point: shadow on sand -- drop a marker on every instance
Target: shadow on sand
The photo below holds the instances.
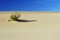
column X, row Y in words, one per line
column 19, row 20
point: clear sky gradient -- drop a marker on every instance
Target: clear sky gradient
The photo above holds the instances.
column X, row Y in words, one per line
column 30, row 5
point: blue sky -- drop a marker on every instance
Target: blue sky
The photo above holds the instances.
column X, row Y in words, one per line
column 30, row 5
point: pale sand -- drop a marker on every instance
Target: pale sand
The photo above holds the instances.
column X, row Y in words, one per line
column 47, row 26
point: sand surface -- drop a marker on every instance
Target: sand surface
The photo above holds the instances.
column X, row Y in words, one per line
column 47, row 26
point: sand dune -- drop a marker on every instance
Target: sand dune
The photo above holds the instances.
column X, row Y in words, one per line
column 47, row 26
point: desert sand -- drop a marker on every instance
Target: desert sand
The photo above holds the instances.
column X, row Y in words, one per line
column 47, row 26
